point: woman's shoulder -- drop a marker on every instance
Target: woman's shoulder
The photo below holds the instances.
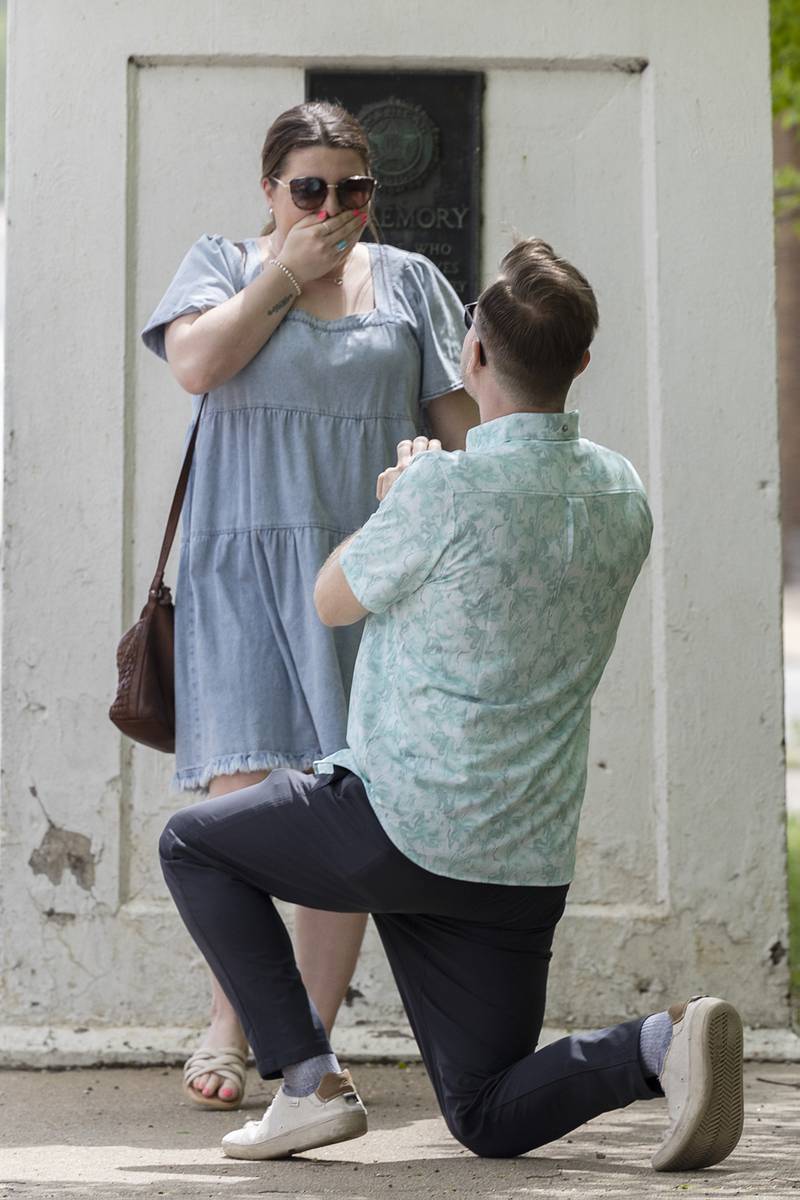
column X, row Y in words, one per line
column 210, row 243
column 402, row 261
column 217, row 241
column 411, row 274
column 216, row 257
column 217, row 247
column 420, row 286
column 210, row 273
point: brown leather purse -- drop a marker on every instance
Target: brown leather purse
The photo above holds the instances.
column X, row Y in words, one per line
column 144, row 706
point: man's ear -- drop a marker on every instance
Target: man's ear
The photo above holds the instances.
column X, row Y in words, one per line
column 587, row 358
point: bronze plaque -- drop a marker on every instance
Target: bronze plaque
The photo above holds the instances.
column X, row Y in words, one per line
column 424, row 129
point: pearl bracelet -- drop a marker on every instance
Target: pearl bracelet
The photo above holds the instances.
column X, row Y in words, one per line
column 276, row 262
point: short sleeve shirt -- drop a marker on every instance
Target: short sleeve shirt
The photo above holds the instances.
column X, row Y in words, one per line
column 495, row 579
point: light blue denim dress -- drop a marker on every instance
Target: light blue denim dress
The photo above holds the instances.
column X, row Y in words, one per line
column 285, row 466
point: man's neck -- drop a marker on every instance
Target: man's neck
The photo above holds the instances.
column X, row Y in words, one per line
column 495, row 404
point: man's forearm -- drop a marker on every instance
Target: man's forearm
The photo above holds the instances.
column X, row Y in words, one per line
column 333, row 599
column 336, row 554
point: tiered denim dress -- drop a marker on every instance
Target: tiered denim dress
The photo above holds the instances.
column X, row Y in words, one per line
column 285, row 466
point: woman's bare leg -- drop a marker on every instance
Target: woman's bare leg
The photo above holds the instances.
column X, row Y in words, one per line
column 327, row 946
column 225, row 1029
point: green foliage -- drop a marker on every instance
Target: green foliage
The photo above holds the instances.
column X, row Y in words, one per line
column 785, row 50
column 785, row 55
column 787, row 195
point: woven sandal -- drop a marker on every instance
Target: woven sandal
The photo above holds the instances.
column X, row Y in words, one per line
column 229, row 1062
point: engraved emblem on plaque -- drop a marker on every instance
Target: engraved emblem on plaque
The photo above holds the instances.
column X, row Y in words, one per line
column 404, row 142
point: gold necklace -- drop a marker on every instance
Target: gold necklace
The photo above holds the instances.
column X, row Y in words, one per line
column 337, row 279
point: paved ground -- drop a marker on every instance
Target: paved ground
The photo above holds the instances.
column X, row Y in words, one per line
column 118, row 1134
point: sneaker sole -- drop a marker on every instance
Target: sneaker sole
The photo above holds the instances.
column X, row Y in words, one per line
column 341, row 1128
column 711, row 1125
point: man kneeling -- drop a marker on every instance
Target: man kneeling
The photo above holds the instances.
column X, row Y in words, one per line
column 493, row 582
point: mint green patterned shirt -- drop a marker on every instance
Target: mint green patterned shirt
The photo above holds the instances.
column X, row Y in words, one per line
column 495, row 579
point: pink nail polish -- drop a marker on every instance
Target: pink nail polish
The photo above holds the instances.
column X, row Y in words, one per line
column 321, row 216
column 364, row 218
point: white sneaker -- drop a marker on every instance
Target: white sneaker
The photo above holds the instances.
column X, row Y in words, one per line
column 291, row 1124
column 702, row 1080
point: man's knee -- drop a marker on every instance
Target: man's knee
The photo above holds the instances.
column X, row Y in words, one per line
column 176, row 834
column 483, row 1134
column 473, row 1134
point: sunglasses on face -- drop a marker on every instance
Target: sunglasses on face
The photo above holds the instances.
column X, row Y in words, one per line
column 469, row 321
column 309, row 192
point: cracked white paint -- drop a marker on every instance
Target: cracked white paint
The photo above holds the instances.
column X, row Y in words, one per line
column 658, row 183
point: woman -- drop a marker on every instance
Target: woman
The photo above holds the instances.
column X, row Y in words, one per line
column 320, row 354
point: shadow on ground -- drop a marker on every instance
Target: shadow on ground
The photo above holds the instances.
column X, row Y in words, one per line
column 109, row 1134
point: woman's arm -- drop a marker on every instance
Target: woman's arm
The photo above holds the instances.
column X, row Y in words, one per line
column 451, row 416
column 207, row 349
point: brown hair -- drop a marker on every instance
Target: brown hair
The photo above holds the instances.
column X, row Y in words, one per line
column 315, row 123
column 537, row 319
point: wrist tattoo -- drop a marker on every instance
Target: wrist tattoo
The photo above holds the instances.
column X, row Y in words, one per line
column 284, row 302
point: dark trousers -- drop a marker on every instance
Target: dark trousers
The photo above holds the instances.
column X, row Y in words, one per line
column 470, row 959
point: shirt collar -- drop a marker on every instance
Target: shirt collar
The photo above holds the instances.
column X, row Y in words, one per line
column 524, row 427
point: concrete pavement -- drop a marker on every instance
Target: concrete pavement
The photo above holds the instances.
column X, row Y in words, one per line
column 109, row 1134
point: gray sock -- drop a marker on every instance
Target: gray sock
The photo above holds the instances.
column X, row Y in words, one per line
column 301, row 1079
column 654, row 1042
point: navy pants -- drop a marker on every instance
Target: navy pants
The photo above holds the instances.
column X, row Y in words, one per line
column 470, row 959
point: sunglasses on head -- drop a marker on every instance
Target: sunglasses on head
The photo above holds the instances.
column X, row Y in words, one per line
column 469, row 321
column 309, row 192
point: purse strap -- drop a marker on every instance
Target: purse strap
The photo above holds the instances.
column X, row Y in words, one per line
column 157, row 585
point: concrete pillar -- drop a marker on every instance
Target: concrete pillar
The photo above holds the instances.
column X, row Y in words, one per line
column 633, row 135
